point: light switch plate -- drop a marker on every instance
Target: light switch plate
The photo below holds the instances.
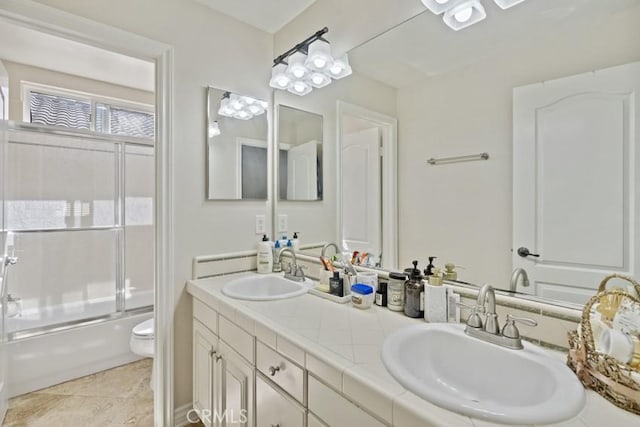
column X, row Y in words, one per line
column 260, row 224
column 283, row 223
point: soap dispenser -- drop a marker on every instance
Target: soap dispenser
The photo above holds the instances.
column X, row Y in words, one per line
column 295, row 242
column 414, row 293
column 277, row 266
column 265, row 256
column 429, row 270
column 435, row 295
column 450, row 272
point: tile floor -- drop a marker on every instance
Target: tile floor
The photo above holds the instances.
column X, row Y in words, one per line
column 117, row 397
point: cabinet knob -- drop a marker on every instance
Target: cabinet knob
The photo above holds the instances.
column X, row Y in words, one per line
column 273, row 370
column 275, row 425
column 218, row 358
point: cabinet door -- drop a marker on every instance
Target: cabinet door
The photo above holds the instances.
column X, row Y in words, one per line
column 238, row 389
column 273, row 408
column 205, row 344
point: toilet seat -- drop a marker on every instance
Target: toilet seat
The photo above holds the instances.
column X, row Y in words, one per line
column 143, row 331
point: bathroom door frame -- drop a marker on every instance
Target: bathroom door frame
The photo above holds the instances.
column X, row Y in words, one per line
column 59, row 23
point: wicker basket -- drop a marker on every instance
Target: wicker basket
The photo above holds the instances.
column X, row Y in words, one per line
column 605, row 375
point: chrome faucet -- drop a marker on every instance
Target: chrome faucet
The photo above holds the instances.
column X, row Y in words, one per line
column 513, row 285
column 327, row 246
column 489, row 330
column 295, row 272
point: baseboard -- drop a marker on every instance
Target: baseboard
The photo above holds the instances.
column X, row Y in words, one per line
column 180, row 415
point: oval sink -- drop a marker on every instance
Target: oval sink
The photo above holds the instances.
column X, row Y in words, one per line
column 264, row 288
column 443, row 365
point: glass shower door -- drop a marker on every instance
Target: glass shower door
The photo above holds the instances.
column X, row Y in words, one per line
column 5, row 262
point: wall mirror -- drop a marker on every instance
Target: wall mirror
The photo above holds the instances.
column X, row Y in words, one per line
column 547, row 89
column 237, row 151
column 299, row 154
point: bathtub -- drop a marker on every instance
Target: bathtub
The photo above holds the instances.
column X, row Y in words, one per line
column 63, row 354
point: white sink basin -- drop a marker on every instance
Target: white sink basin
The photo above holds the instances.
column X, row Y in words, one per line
column 264, row 288
column 443, row 365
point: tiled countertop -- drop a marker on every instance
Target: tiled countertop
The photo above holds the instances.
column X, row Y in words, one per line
column 342, row 346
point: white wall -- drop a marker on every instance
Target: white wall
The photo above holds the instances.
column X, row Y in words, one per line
column 209, row 49
column 316, row 221
column 462, row 212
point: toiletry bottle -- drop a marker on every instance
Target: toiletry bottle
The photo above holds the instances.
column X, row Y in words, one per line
column 277, row 266
column 450, row 273
column 381, row 295
column 265, row 256
column 283, row 241
column 395, row 291
column 336, row 285
column 429, row 270
column 435, row 304
column 414, row 293
column 295, row 242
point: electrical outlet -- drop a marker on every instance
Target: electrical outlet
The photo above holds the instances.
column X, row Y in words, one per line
column 260, row 224
column 283, row 223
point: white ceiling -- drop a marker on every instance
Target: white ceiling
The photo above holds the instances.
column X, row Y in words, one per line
column 27, row 46
column 424, row 46
column 267, row 15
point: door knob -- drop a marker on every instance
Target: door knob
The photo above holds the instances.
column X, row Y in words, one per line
column 525, row 252
column 10, row 260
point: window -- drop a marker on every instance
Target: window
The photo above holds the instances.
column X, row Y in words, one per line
column 59, row 107
column 54, row 110
column 123, row 121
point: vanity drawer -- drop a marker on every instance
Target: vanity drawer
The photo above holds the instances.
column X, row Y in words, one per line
column 334, row 409
column 274, row 408
column 281, row 371
column 206, row 315
column 241, row 341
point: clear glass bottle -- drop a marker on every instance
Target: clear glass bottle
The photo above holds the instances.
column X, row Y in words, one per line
column 414, row 293
column 395, row 291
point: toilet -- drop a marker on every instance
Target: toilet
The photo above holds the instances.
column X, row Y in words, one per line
column 142, row 343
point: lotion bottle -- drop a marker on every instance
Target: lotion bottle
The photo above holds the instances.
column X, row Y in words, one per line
column 265, row 256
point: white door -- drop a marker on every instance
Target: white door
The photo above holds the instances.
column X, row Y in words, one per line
column 575, row 186
column 361, row 192
column 302, row 172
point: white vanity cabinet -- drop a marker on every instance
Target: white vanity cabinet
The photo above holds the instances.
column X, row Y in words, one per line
column 205, row 347
column 223, row 380
column 241, row 381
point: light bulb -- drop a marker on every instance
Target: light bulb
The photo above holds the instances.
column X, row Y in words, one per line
column 441, row 1
column 299, row 87
column 464, row 15
column 336, row 69
column 319, row 80
column 298, row 72
column 320, row 62
column 282, row 81
column 248, row 100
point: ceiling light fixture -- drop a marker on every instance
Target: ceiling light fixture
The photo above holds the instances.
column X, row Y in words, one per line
column 308, row 65
column 241, row 107
column 459, row 14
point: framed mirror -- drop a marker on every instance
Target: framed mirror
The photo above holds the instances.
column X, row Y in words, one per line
column 299, row 155
column 237, row 146
column 564, row 68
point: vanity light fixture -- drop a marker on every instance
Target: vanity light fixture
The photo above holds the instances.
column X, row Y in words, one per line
column 459, row 14
column 464, row 14
column 506, row 4
column 241, row 107
column 214, row 129
column 308, row 65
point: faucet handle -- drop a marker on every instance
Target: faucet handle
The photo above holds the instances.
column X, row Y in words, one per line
column 510, row 330
column 300, row 271
column 474, row 320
